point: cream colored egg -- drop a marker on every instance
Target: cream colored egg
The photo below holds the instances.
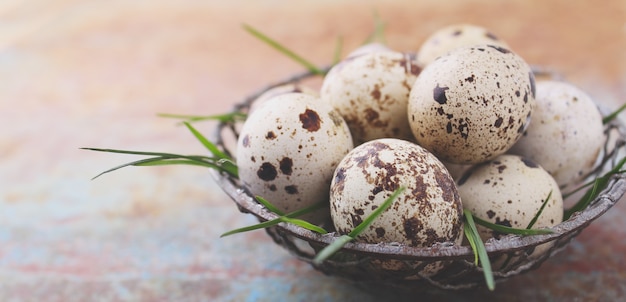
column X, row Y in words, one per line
column 429, row 211
column 566, row 134
column 454, row 36
column 472, row 104
column 288, row 149
column 509, row 190
column 371, row 91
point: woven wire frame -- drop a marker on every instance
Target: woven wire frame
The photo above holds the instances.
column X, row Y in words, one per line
column 442, row 266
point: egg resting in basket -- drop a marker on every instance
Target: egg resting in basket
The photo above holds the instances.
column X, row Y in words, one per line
column 397, row 266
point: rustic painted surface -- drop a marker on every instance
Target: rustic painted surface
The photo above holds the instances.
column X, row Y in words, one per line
column 95, row 73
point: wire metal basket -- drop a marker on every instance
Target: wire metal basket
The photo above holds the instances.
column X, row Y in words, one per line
column 401, row 267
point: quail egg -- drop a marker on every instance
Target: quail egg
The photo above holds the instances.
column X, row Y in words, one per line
column 510, row 190
column 566, row 134
column 454, row 36
column 429, row 211
column 472, row 104
column 371, row 91
column 288, row 149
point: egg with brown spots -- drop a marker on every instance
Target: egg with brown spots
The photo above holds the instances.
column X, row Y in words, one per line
column 453, row 36
column 472, row 104
column 566, row 134
column 371, row 91
column 288, row 149
column 429, row 211
column 509, row 190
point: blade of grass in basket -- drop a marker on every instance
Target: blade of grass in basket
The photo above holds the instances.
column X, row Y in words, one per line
column 269, row 206
column 531, row 224
column 278, row 220
column 479, row 249
column 274, row 44
column 338, row 49
column 299, row 222
column 379, row 31
column 159, row 159
column 472, row 241
column 224, row 118
column 607, row 119
column 536, row 217
column 588, row 184
column 336, row 245
column 509, row 230
column 598, row 185
column 206, row 143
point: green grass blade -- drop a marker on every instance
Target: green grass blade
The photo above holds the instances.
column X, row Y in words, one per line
column 163, row 154
column 161, row 161
column 304, row 224
column 257, row 226
column 338, row 49
column 378, row 35
column 509, row 230
column 598, row 185
column 224, row 118
column 133, row 163
column 379, row 28
column 219, row 164
column 580, row 188
column 206, row 143
column 607, row 119
column 336, row 245
column 278, row 220
column 269, row 205
column 479, row 248
column 586, row 199
column 536, row 217
column 331, row 249
column 274, row 44
column 178, row 162
column 370, row 218
column 472, row 241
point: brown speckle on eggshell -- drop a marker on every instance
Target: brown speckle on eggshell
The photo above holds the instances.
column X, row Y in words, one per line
column 288, row 149
column 371, row 91
column 566, row 134
column 428, row 212
column 509, row 190
column 454, row 36
column 472, row 104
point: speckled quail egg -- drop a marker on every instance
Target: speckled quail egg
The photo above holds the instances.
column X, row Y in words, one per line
column 472, row 104
column 278, row 90
column 429, row 211
column 288, row 149
column 370, row 91
column 509, row 190
column 454, row 36
column 566, row 133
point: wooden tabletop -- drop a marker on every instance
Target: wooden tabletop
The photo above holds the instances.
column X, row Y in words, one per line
column 96, row 73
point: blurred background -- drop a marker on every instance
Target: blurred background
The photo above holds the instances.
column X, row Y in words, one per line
column 96, row 73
